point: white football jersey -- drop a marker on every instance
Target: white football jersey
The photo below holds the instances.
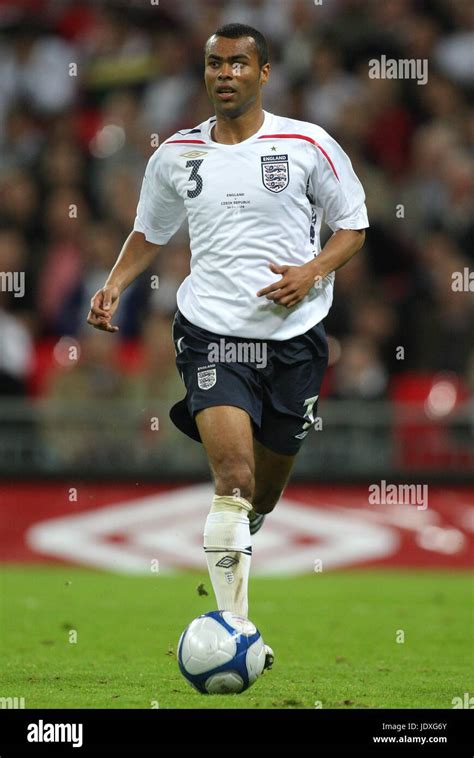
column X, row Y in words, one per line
column 248, row 205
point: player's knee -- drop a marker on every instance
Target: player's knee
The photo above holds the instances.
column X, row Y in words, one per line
column 235, row 476
column 264, row 502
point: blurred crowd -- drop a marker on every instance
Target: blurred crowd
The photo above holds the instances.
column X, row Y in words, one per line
column 86, row 86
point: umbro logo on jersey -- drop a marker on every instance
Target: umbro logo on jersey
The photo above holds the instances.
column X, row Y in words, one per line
column 275, row 172
column 193, row 154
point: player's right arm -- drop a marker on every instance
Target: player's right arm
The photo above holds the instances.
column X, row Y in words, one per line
column 136, row 255
column 160, row 213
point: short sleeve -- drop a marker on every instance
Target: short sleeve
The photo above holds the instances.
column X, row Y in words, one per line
column 337, row 190
column 160, row 210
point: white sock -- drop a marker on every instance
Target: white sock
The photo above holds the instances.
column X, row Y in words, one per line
column 228, row 548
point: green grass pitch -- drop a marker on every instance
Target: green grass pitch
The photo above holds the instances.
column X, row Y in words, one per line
column 334, row 635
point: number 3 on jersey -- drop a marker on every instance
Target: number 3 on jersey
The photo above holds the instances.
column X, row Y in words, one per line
column 309, row 404
column 195, row 177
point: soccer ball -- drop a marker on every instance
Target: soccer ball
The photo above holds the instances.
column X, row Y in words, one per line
column 220, row 653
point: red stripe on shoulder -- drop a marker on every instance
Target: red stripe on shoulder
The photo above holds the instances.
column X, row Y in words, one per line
column 185, row 142
column 308, row 139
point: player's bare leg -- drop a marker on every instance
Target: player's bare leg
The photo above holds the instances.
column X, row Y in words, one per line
column 272, row 471
column 226, row 433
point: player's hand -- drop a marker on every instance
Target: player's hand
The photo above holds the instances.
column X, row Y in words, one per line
column 294, row 285
column 103, row 306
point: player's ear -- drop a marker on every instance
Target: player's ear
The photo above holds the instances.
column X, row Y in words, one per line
column 264, row 73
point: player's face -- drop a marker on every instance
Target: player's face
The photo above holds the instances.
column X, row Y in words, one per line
column 233, row 75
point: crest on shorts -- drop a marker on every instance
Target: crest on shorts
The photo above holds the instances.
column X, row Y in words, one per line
column 206, row 378
column 275, row 172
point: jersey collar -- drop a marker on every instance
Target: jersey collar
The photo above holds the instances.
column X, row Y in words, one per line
column 268, row 117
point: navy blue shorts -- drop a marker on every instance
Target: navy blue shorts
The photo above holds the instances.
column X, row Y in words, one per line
column 276, row 382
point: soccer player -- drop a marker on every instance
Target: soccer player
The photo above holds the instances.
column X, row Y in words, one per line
column 249, row 338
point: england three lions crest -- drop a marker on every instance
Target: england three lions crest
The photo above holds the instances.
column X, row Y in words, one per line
column 275, row 172
column 207, row 377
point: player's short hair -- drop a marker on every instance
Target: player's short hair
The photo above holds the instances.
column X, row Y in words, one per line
column 236, row 31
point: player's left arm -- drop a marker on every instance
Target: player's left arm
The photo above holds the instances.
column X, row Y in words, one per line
column 339, row 192
column 297, row 281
